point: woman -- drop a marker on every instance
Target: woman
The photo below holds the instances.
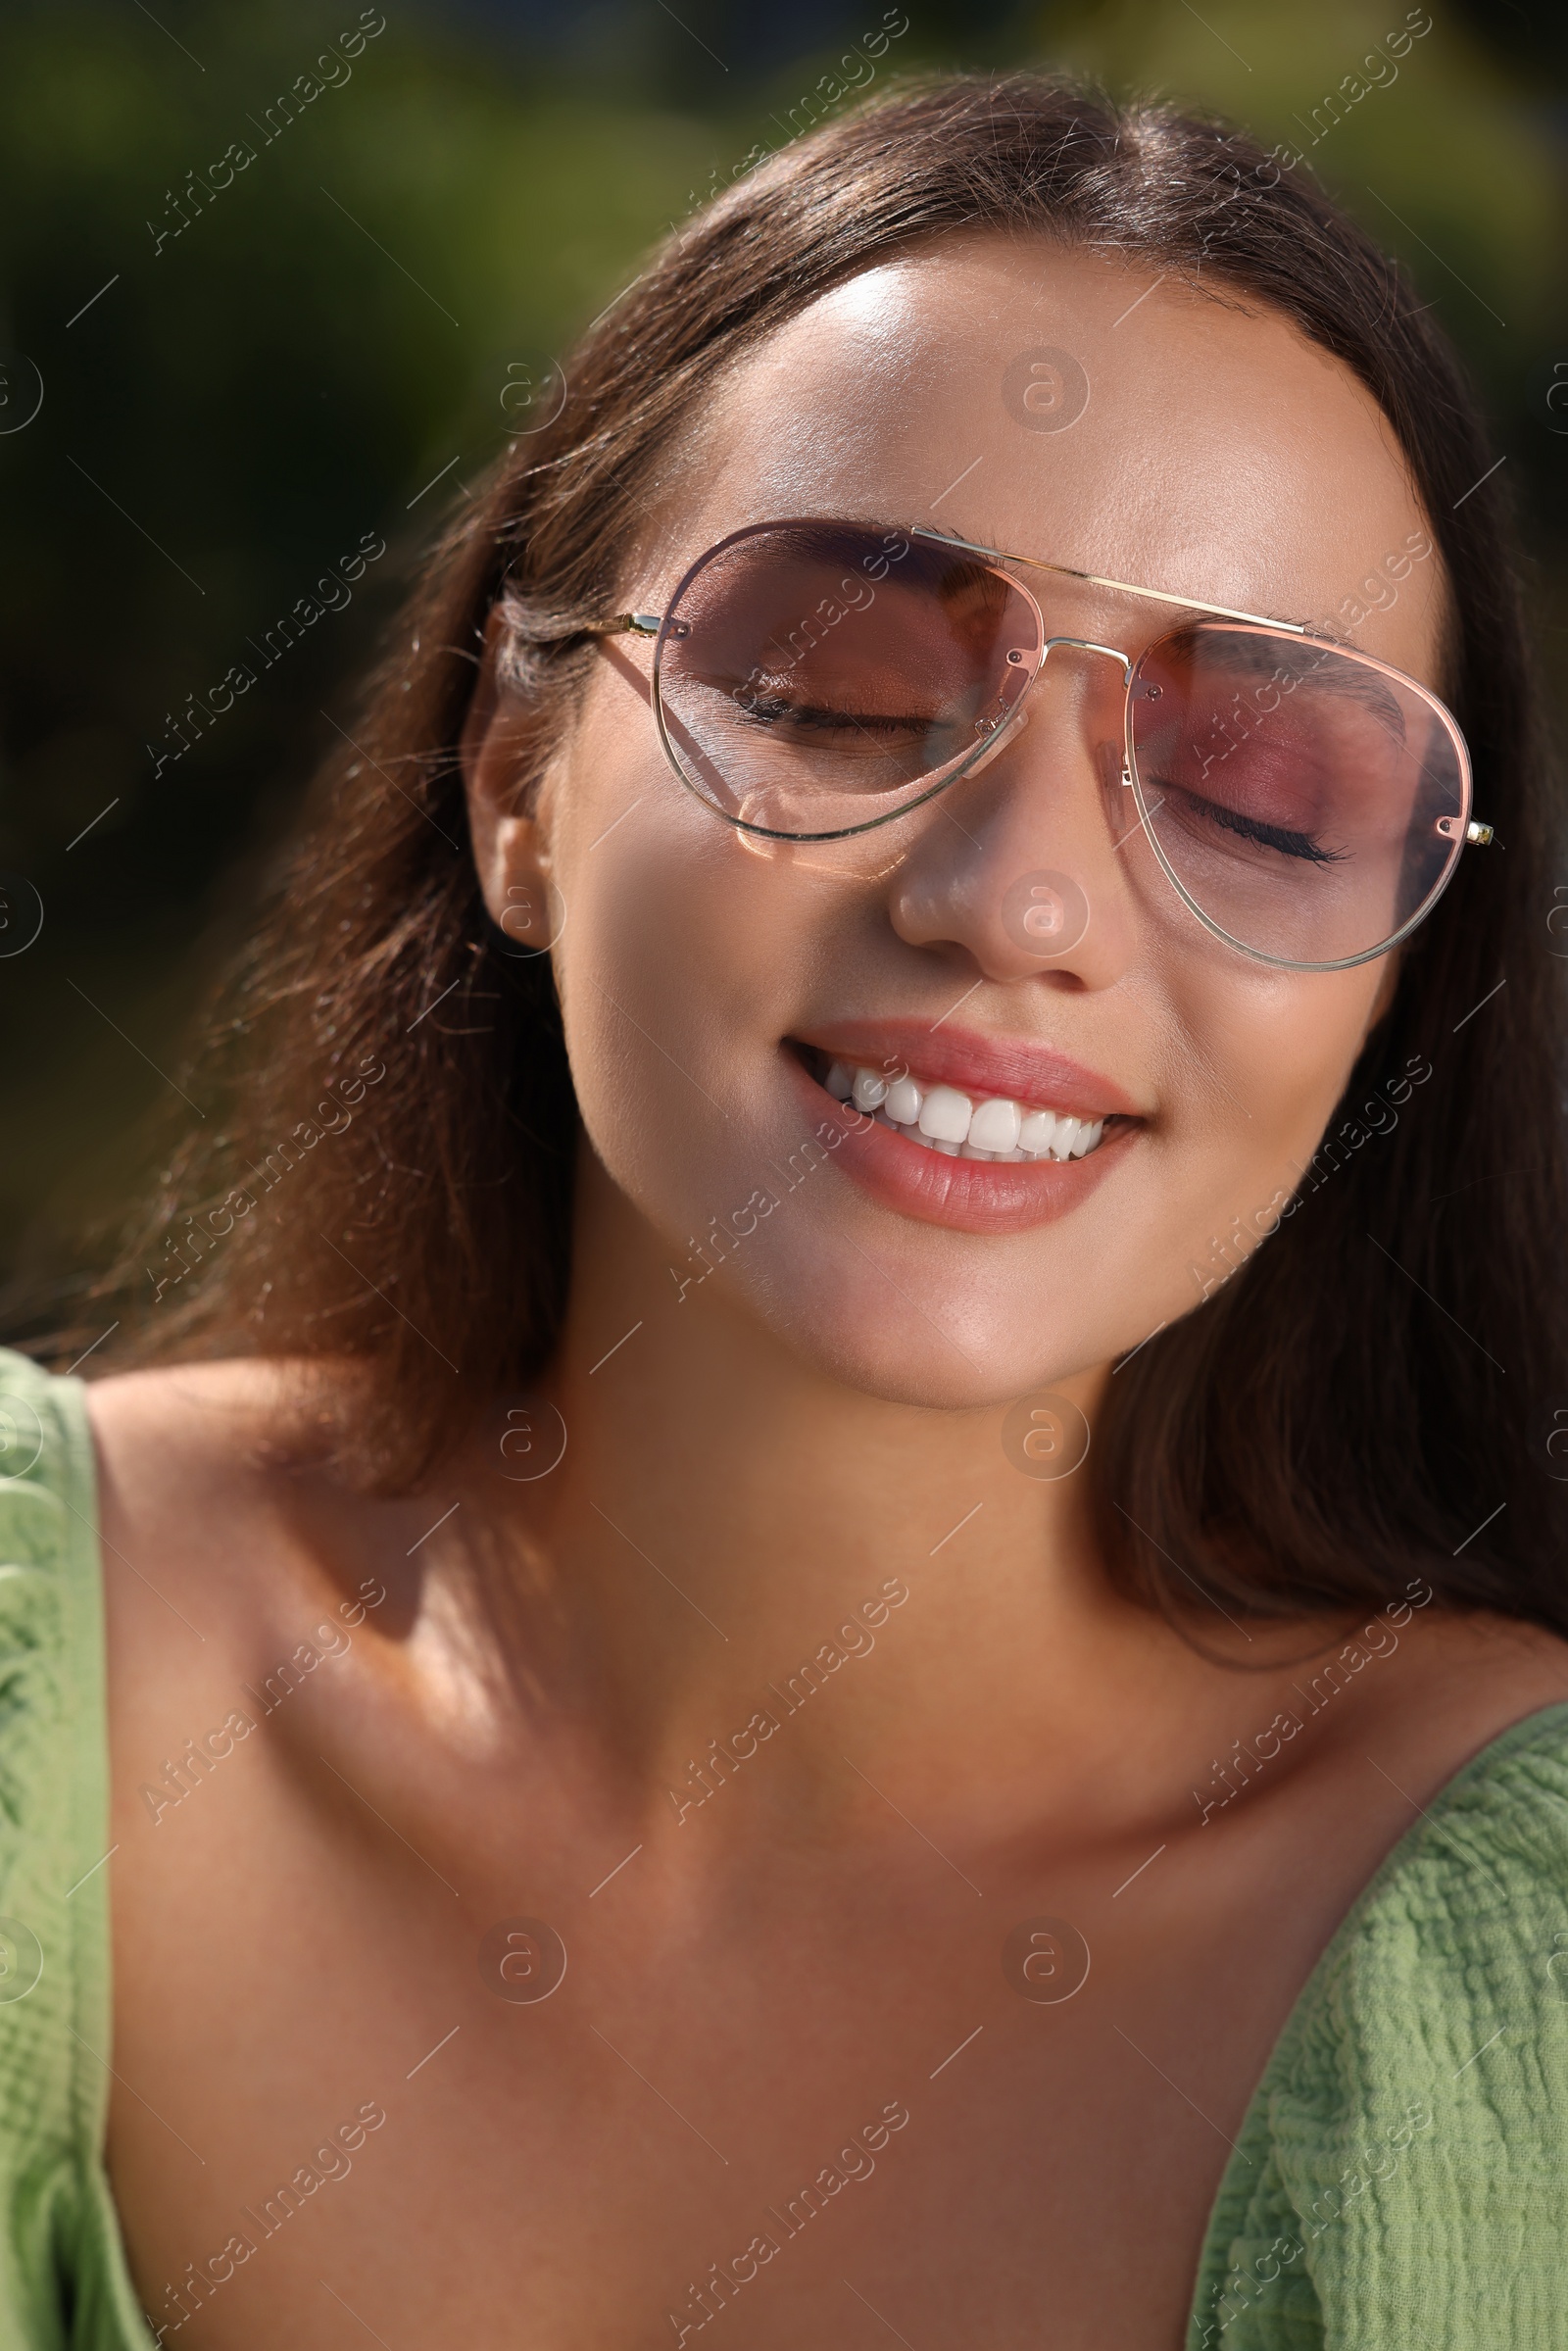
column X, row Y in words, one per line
column 852, row 1604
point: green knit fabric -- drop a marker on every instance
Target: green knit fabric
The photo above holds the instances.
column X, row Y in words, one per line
column 63, row 2276
column 1401, row 2175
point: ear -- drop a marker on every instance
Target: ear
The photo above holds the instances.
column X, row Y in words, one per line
column 511, row 843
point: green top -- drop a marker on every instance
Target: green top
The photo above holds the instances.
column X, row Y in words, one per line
column 1399, row 2181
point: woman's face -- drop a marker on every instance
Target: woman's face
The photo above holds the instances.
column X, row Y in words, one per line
column 709, row 979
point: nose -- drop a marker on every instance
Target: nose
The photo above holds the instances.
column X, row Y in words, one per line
column 1021, row 870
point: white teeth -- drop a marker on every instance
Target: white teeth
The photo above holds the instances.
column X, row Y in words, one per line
column 944, row 1114
column 943, row 1119
column 995, row 1126
column 1069, row 1138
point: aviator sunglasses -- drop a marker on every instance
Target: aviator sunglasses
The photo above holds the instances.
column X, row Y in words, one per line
column 814, row 679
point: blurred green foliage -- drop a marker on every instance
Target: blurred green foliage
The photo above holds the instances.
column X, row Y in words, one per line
column 369, row 302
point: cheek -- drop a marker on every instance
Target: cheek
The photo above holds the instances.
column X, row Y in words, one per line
column 1270, row 1056
column 678, row 969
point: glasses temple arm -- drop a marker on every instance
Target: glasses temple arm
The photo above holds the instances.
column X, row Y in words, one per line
column 639, row 625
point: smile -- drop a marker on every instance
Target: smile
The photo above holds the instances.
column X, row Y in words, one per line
column 980, row 1132
column 961, row 1126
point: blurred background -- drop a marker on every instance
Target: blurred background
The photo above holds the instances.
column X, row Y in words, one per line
column 222, row 379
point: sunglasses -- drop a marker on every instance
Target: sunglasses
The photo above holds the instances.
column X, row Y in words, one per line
column 814, row 679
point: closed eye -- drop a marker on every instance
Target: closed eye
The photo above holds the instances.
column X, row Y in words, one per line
column 826, row 722
column 1279, row 837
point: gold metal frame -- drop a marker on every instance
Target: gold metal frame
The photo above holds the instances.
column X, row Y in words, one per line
column 653, row 624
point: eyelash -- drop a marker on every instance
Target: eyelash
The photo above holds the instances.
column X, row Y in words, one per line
column 1269, row 836
column 769, row 713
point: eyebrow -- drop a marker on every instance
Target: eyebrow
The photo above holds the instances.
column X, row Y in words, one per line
column 1347, row 675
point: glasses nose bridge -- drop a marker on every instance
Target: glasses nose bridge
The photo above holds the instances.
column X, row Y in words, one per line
column 1112, row 653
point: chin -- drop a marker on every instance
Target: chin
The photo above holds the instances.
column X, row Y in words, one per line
column 916, row 1318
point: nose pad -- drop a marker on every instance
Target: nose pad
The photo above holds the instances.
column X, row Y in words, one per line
column 1112, row 769
column 1011, row 729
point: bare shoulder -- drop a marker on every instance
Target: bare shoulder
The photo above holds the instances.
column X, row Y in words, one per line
column 1444, row 1684
column 1509, row 1663
column 210, row 1481
column 182, row 1446
column 203, row 1418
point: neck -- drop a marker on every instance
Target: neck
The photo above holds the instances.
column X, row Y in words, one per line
column 735, row 1539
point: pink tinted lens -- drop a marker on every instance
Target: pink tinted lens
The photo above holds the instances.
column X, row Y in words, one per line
column 817, row 676
column 1309, row 801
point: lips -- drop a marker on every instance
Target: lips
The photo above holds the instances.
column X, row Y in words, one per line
column 961, row 1185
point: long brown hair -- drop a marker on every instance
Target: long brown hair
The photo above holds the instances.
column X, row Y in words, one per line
column 392, row 1176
